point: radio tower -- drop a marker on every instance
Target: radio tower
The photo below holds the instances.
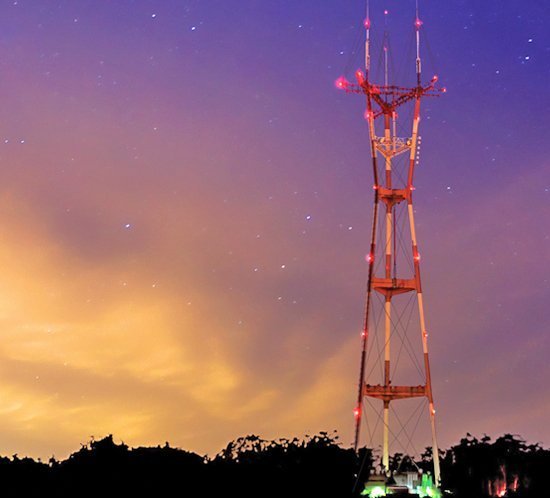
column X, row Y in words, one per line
column 393, row 268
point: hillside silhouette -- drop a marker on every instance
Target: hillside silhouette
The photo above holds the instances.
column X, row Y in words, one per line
column 253, row 467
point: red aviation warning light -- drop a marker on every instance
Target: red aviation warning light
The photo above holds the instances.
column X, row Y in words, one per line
column 341, row 83
column 418, row 23
column 357, row 413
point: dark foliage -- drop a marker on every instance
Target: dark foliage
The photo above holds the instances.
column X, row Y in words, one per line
column 103, row 468
column 253, row 467
column 476, row 468
column 314, row 466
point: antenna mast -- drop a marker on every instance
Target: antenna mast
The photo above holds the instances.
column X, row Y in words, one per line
column 417, row 25
column 393, row 193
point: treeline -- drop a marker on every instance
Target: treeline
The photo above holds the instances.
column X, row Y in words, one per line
column 507, row 467
column 253, row 467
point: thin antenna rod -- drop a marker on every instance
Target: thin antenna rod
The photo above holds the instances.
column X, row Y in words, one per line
column 386, row 47
column 367, row 41
column 417, row 25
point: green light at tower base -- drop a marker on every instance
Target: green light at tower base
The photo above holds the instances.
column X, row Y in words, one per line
column 375, row 492
column 426, row 489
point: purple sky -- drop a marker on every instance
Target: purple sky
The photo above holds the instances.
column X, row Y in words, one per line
column 185, row 207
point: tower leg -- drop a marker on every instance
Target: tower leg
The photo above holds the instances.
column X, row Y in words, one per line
column 387, row 305
column 435, row 449
column 416, row 258
column 386, row 447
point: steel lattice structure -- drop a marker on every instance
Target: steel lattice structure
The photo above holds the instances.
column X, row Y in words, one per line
column 392, row 192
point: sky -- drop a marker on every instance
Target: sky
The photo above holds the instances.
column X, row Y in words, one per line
column 185, row 209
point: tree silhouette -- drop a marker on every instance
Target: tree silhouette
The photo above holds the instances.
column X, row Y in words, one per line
column 253, row 467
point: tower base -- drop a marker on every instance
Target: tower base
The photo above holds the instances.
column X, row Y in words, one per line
column 401, row 484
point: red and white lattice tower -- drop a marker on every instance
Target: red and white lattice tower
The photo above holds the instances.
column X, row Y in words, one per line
column 394, row 284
